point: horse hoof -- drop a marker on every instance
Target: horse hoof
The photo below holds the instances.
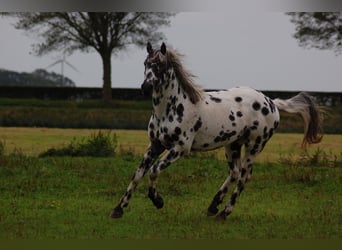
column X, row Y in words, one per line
column 212, row 211
column 158, row 202
column 117, row 212
column 221, row 216
column 155, row 198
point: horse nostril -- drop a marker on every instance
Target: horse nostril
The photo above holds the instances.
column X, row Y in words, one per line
column 146, row 89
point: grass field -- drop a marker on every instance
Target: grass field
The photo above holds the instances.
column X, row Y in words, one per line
column 32, row 141
column 292, row 195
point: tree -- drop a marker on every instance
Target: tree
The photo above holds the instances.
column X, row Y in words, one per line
column 321, row 30
column 105, row 32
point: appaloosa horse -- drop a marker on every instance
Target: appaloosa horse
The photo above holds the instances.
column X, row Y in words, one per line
column 185, row 118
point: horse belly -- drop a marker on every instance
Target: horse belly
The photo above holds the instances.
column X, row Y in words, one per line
column 217, row 131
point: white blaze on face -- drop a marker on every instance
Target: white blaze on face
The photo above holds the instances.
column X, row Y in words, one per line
column 149, row 75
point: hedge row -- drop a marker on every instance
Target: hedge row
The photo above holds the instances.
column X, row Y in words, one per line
column 115, row 115
column 73, row 93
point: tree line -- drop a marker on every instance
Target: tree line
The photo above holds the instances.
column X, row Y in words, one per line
column 37, row 78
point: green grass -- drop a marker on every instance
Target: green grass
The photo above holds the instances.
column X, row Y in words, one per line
column 71, row 197
column 66, row 198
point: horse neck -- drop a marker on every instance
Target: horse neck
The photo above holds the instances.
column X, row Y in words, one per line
column 168, row 96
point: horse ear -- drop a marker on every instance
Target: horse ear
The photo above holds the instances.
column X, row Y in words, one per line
column 149, row 48
column 163, row 49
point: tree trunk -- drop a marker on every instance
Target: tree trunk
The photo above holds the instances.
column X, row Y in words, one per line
column 107, row 74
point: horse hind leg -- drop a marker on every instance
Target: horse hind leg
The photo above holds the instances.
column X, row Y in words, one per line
column 243, row 176
column 233, row 154
column 252, row 149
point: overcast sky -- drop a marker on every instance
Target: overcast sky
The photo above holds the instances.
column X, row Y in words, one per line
column 223, row 49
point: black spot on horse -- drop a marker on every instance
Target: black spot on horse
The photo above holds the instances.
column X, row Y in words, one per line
column 178, row 130
column 243, row 172
column 198, row 124
column 231, row 117
column 258, row 140
column 151, row 125
column 217, row 139
column 238, row 99
column 263, row 144
column 265, row 111
column 170, row 118
column 247, row 133
column 233, row 199
column 239, row 114
column 256, row 106
column 156, row 101
column 173, row 99
column 175, row 137
column 253, row 152
column 151, row 134
column 255, row 125
column 205, row 145
column 168, row 108
column 215, row 99
column 271, row 104
column 240, row 184
column 180, row 112
column 236, row 155
column 271, row 133
column 224, row 136
column 167, row 138
column 275, row 125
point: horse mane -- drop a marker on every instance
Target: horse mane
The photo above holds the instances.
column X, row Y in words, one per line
column 185, row 78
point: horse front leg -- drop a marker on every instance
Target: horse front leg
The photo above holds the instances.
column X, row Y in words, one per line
column 152, row 153
column 173, row 155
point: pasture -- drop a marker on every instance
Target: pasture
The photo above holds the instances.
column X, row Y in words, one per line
column 294, row 194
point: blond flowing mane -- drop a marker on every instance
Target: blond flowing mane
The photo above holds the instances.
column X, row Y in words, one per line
column 185, row 78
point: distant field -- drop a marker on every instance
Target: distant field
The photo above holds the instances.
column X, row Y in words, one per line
column 32, row 141
column 292, row 195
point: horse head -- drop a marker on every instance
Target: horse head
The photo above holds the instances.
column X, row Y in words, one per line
column 155, row 69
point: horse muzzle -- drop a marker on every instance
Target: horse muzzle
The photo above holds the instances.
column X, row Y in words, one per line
column 147, row 88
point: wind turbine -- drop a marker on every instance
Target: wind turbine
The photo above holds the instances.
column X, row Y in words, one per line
column 63, row 61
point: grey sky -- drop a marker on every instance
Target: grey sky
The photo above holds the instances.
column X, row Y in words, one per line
column 223, row 49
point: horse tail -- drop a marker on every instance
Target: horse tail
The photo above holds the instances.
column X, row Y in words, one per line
column 304, row 105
